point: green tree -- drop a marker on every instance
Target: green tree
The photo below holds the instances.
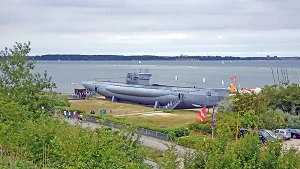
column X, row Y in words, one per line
column 20, row 83
column 244, row 102
column 225, row 105
column 285, row 98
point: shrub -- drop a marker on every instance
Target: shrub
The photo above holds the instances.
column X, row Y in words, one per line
column 225, row 105
column 167, row 111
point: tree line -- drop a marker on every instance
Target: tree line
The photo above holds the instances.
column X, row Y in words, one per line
column 141, row 57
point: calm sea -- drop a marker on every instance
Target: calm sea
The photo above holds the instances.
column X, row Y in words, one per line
column 68, row 75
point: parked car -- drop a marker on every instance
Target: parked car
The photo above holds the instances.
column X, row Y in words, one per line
column 268, row 135
column 295, row 133
column 264, row 135
column 242, row 132
column 286, row 135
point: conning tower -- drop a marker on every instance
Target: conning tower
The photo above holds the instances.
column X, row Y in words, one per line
column 142, row 78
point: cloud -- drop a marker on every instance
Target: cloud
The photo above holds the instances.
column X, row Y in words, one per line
column 169, row 26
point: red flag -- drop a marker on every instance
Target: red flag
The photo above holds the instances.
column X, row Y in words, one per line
column 202, row 115
column 233, row 79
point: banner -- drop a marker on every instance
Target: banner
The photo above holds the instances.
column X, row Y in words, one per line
column 202, row 115
column 214, row 120
column 233, row 79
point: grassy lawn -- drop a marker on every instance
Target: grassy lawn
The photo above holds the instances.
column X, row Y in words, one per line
column 100, row 103
column 175, row 119
column 133, row 113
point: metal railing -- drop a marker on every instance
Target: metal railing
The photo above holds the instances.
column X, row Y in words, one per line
column 143, row 131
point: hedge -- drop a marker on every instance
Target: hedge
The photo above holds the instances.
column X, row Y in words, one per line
column 172, row 132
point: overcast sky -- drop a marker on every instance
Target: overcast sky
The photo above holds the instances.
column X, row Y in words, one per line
column 159, row 27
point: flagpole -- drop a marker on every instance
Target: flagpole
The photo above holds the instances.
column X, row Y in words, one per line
column 212, row 125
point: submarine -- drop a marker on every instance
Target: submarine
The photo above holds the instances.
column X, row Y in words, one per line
column 139, row 90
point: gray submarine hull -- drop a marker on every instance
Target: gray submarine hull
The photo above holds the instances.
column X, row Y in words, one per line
column 158, row 95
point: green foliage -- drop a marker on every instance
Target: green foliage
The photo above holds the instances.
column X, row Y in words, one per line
column 62, row 145
column 225, row 105
column 20, row 83
column 247, row 152
column 15, row 162
column 190, row 141
column 167, row 111
column 272, row 120
column 170, row 159
column 285, row 98
column 289, row 159
column 293, row 121
column 250, row 119
column 202, row 128
column 173, row 133
column 243, row 102
column 47, row 142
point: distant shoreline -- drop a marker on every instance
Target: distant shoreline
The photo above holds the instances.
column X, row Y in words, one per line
column 62, row 57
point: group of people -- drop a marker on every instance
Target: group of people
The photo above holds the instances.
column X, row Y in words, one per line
column 69, row 114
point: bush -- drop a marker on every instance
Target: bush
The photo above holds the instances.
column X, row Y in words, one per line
column 167, row 111
column 190, row 141
column 225, row 105
column 203, row 128
column 293, row 121
column 272, row 120
column 173, row 133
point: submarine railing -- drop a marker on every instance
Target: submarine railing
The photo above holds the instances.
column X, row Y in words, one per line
column 143, row 131
column 176, row 103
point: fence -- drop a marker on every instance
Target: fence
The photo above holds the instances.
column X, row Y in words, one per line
column 143, row 131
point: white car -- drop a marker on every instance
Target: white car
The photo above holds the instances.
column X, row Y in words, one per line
column 285, row 133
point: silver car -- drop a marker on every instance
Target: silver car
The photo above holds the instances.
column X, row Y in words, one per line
column 286, row 135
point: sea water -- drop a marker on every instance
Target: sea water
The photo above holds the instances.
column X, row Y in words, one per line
column 68, row 75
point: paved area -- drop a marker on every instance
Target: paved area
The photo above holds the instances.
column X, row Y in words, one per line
column 292, row 143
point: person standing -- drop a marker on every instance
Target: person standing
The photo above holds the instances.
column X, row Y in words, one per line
column 69, row 114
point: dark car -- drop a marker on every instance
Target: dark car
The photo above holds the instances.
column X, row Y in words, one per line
column 295, row 133
column 267, row 135
column 264, row 135
column 242, row 132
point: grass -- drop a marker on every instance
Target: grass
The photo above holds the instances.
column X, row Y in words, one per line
column 134, row 112
column 165, row 120
column 100, row 103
